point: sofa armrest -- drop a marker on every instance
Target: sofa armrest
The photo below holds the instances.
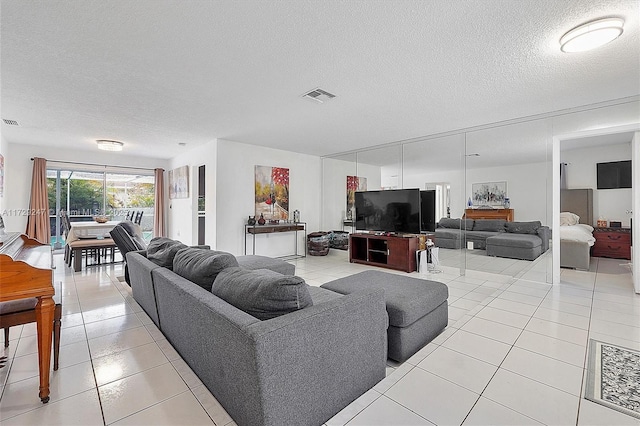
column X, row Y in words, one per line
column 544, row 232
column 294, row 353
column 141, row 280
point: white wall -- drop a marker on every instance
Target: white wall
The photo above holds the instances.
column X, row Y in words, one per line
column 19, row 167
column 4, row 147
column 526, row 188
column 334, row 198
column 183, row 212
column 235, row 194
column 610, row 204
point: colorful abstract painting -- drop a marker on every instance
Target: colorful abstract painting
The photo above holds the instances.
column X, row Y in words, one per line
column 354, row 184
column 272, row 192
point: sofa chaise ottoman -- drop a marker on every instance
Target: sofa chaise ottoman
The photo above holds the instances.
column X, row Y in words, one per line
column 417, row 308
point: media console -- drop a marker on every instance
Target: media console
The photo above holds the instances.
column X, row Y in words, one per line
column 387, row 251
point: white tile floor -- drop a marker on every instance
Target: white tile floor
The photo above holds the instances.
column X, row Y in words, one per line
column 514, row 354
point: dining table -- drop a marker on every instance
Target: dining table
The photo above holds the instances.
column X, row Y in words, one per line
column 90, row 230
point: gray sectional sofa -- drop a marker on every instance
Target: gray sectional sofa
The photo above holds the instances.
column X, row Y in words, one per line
column 300, row 356
column 515, row 240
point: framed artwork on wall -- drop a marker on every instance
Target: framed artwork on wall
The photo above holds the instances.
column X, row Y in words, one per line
column 272, row 192
column 179, row 182
column 489, row 193
column 354, row 184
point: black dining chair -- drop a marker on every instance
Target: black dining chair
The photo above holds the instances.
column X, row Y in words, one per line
column 138, row 218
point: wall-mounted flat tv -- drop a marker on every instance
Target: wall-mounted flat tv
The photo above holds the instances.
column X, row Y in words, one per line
column 396, row 210
column 615, row 174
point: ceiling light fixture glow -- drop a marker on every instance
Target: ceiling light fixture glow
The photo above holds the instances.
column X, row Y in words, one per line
column 591, row 35
column 107, row 145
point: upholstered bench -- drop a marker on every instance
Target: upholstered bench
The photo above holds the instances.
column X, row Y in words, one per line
column 417, row 308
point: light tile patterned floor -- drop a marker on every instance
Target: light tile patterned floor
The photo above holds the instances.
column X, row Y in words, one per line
column 514, row 353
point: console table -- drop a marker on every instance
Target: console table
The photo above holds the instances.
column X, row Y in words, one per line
column 506, row 214
column 254, row 230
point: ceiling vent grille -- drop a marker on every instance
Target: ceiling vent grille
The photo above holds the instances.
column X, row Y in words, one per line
column 319, row 95
column 10, row 122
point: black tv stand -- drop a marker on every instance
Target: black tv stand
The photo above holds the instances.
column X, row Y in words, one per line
column 387, row 251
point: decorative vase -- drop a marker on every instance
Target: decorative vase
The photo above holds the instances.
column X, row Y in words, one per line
column 261, row 221
column 296, row 216
column 251, row 221
column 469, row 203
column 506, row 203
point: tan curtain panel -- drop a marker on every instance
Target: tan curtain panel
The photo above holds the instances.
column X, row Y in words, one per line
column 38, row 219
column 158, row 221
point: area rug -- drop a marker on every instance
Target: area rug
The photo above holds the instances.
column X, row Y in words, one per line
column 613, row 377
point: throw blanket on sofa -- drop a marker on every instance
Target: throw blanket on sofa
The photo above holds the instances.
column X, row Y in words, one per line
column 580, row 232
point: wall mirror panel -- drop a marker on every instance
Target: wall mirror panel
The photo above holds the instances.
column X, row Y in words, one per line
column 438, row 165
column 508, row 179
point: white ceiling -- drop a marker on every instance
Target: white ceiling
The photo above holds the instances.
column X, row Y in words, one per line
column 154, row 73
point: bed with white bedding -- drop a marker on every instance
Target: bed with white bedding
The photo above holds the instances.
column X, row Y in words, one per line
column 576, row 232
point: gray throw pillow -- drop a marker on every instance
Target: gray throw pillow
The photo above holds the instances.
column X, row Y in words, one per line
column 202, row 266
column 489, row 225
column 262, row 293
column 162, row 250
column 523, row 227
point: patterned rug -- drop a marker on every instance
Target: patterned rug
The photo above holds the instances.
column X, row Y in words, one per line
column 613, row 377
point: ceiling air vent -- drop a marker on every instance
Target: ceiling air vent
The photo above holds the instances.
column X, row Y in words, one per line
column 319, row 95
column 10, row 122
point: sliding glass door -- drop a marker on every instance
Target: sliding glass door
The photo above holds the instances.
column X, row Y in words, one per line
column 85, row 194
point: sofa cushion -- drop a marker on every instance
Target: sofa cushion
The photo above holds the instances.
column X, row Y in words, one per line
column 202, row 266
column 449, row 223
column 161, row 251
column 523, row 227
column 526, row 241
column 446, row 222
column 262, row 293
column 479, row 235
column 448, row 233
column 322, row 295
column 489, row 225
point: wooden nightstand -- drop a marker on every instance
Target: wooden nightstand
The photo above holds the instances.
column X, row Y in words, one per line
column 612, row 242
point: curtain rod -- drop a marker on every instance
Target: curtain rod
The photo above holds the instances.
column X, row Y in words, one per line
column 100, row 165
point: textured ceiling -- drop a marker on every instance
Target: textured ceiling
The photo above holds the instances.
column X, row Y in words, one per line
column 153, row 73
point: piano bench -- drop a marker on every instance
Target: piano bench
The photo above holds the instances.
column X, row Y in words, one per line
column 22, row 311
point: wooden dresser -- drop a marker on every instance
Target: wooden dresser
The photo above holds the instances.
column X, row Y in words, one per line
column 612, row 242
column 506, row 214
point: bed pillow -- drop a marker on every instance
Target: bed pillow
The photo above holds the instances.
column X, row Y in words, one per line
column 568, row 218
column 262, row 293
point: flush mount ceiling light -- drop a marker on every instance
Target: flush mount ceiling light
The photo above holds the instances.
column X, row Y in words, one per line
column 107, row 145
column 591, row 35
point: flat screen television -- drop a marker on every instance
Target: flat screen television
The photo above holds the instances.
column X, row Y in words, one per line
column 396, row 210
column 428, row 210
column 615, row 174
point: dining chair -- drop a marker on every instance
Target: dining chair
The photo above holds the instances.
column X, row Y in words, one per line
column 23, row 311
column 138, row 218
column 130, row 214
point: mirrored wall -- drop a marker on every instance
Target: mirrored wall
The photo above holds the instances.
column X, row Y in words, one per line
column 477, row 172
